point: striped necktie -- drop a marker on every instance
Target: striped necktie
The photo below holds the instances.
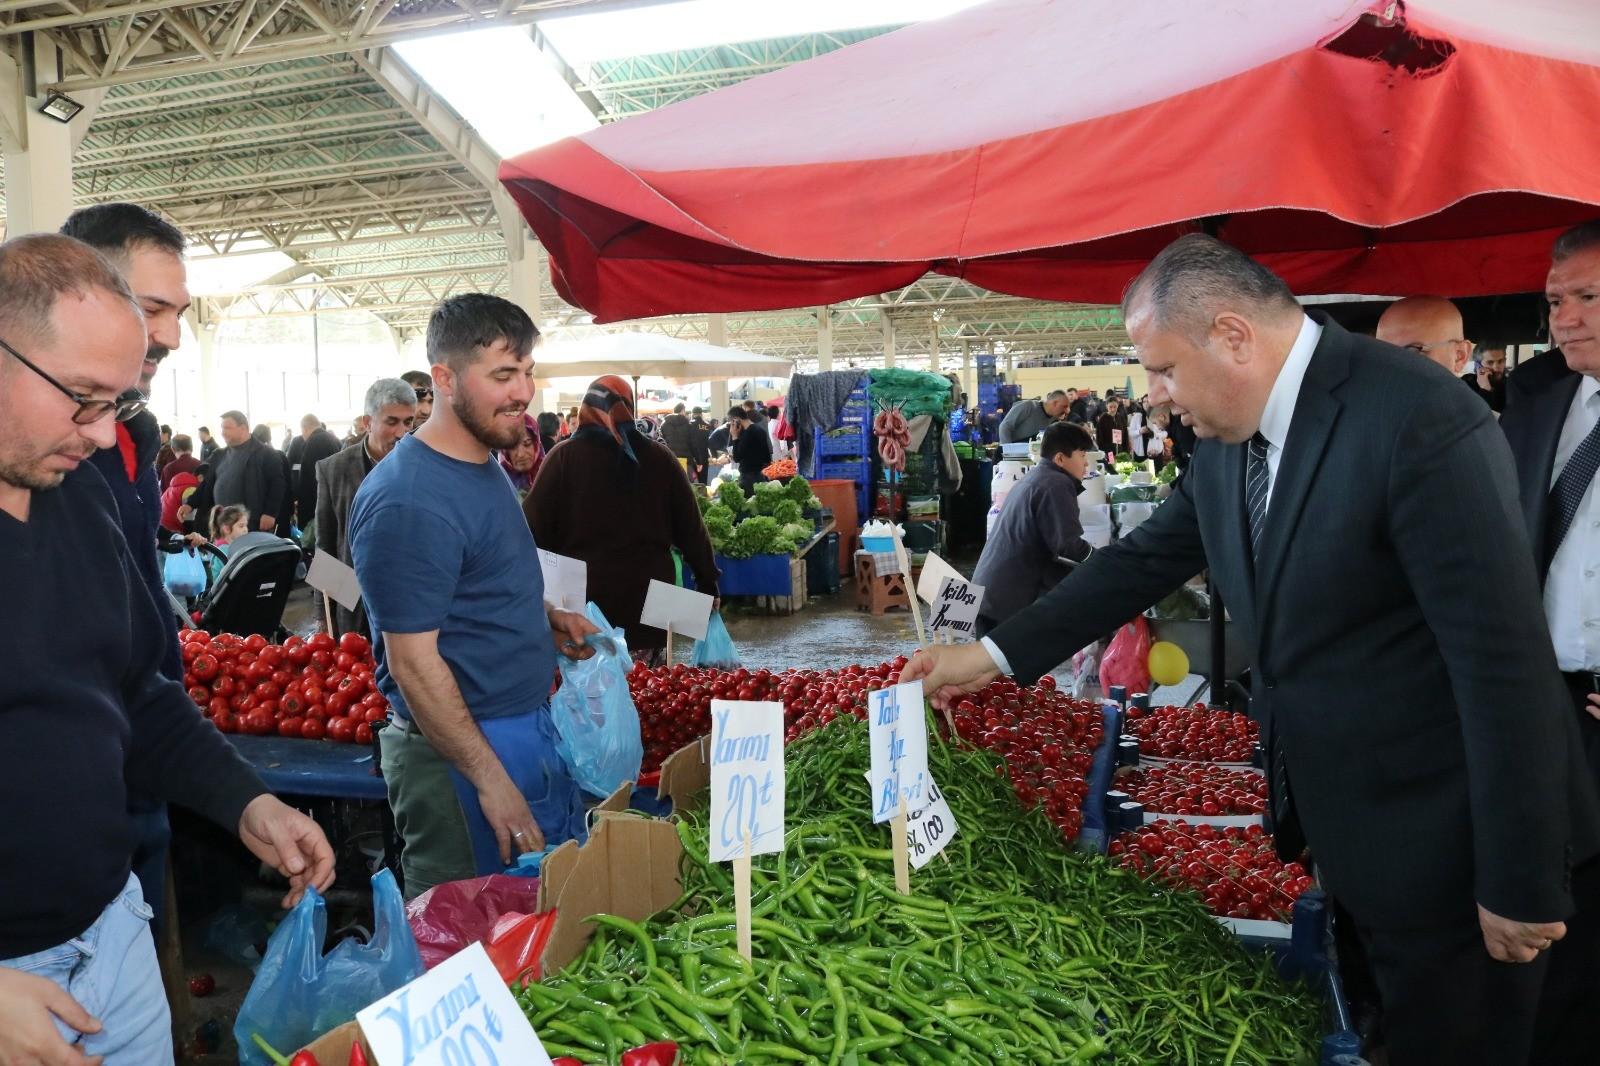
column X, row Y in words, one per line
column 1256, row 483
column 1574, row 481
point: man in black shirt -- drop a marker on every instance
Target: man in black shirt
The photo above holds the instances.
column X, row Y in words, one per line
column 247, row 473
column 83, row 720
column 750, row 447
column 314, row 444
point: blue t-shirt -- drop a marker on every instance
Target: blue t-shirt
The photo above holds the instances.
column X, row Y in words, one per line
column 442, row 544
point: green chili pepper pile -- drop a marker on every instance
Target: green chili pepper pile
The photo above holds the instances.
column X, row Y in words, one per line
column 1012, row 951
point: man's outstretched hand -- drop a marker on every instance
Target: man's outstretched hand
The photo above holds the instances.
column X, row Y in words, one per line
column 949, row 672
column 289, row 842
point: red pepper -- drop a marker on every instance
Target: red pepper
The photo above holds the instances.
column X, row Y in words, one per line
column 304, row 1058
column 358, row 1055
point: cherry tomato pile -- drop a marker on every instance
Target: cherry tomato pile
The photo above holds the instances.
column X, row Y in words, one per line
column 1196, row 788
column 675, row 703
column 1235, row 871
column 1197, row 732
column 1046, row 737
column 313, row 688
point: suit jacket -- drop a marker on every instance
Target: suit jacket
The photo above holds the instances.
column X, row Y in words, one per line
column 1402, row 662
column 304, row 455
column 338, row 478
column 1538, row 395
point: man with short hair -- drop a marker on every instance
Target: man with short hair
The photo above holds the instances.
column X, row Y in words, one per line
column 465, row 643
column 249, row 473
column 1488, row 380
column 1327, row 498
column 675, row 431
column 1038, row 529
column 699, row 445
column 184, row 461
column 749, row 447
column 1028, row 418
column 84, row 720
column 314, row 444
column 422, row 385
column 208, row 445
column 166, row 454
column 1428, row 325
column 1552, row 422
column 390, row 408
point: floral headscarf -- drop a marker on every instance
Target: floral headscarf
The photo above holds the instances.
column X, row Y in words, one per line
column 522, row 482
column 608, row 408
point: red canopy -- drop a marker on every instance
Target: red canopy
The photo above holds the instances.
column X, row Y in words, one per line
column 1048, row 148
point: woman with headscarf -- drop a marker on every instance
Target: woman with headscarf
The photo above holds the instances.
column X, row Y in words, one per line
column 621, row 502
column 521, row 461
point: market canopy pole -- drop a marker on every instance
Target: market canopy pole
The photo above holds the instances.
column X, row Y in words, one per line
column 1044, row 104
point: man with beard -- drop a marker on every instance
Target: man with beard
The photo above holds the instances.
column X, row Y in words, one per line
column 148, row 250
column 422, row 385
column 465, row 643
column 390, row 409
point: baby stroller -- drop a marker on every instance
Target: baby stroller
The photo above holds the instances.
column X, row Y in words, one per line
column 250, row 592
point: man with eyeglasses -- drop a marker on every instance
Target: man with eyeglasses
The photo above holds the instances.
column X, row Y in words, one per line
column 422, row 385
column 88, row 717
column 1430, row 326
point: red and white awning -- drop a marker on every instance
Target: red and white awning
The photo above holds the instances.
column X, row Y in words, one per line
column 1048, row 148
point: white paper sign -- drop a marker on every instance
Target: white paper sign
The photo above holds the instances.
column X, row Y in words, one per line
column 458, row 1012
column 684, row 611
column 899, row 738
column 930, row 829
column 334, row 580
column 566, row 581
column 747, row 780
column 955, row 611
column 934, row 571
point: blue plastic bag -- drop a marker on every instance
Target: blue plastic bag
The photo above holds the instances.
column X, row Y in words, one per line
column 717, row 648
column 596, row 723
column 185, row 573
column 298, row 993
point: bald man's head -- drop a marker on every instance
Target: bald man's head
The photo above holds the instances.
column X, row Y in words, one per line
column 1430, row 326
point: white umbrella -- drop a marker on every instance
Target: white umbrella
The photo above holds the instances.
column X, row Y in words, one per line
column 655, row 355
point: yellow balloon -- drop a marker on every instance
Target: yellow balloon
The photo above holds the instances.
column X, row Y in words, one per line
column 1168, row 664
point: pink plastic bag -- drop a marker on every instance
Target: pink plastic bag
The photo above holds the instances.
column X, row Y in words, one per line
column 1127, row 659
column 448, row 917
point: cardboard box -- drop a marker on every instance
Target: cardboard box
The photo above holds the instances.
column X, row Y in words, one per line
column 333, row 1047
column 686, row 773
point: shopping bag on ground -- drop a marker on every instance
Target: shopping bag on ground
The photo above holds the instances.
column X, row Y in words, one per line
column 185, row 573
column 717, row 649
column 1127, row 659
column 298, row 993
column 448, row 917
column 595, row 719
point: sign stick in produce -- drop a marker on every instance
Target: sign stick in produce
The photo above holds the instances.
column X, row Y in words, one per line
column 905, row 568
column 747, row 788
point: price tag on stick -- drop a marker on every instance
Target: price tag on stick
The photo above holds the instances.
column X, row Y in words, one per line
column 684, row 612
column 955, row 611
column 930, row 829
column 459, row 1011
column 747, row 786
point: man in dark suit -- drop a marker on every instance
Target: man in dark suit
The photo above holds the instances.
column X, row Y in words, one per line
column 1552, row 421
column 1425, row 757
column 391, row 410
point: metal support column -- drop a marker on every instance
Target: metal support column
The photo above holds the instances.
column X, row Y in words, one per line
column 824, row 339
column 888, row 338
column 37, row 148
column 717, row 333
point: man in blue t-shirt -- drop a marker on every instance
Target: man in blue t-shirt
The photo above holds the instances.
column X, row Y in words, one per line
column 465, row 643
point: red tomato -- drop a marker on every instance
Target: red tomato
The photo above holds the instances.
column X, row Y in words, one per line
column 255, row 642
column 298, row 655
column 320, row 642
column 224, row 686
column 200, row 694
column 355, row 644
column 266, row 690
column 225, row 722
column 353, row 687
column 294, row 704
column 291, row 727
column 363, row 734
column 336, row 703
column 321, row 658
column 312, row 729
column 204, row 667
column 376, row 714
column 342, row 730
column 257, row 672
column 216, row 707
column 281, row 678
column 191, row 651
column 343, row 660
column 259, row 723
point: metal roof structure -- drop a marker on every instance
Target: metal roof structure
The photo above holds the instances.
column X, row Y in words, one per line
column 290, row 125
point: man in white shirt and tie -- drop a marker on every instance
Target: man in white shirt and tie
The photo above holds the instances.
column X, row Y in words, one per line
column 1552, row 421
column 1429, row 760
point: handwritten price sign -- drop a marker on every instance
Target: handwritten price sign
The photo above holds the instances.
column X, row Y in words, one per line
column 899, row 738
column 746, row 778
column 930, row 829
column 955, row 610
column 460, row 1013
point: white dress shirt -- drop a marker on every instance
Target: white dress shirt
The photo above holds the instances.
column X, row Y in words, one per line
column 1276, row 418
column 1572, row 591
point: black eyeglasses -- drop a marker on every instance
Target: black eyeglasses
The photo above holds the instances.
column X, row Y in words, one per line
column 423, row 394
column 89, row 410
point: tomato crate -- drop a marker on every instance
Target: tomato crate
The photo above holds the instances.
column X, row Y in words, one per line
column 1305, row 951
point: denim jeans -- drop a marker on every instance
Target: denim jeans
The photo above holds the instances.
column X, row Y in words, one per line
column 111, row 971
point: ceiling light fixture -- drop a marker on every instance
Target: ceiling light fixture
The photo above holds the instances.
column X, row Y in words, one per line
column 60, row 107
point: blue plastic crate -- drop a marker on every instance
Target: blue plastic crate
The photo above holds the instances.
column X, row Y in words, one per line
column 857, row 470
column 759, row 575
column 851, row 444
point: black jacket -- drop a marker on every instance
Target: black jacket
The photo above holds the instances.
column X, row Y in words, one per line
column 753, row 453
column 304, row 455
column 1431, row 757
column 251, row 474
column 1538, row 395
column 1038, row 526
